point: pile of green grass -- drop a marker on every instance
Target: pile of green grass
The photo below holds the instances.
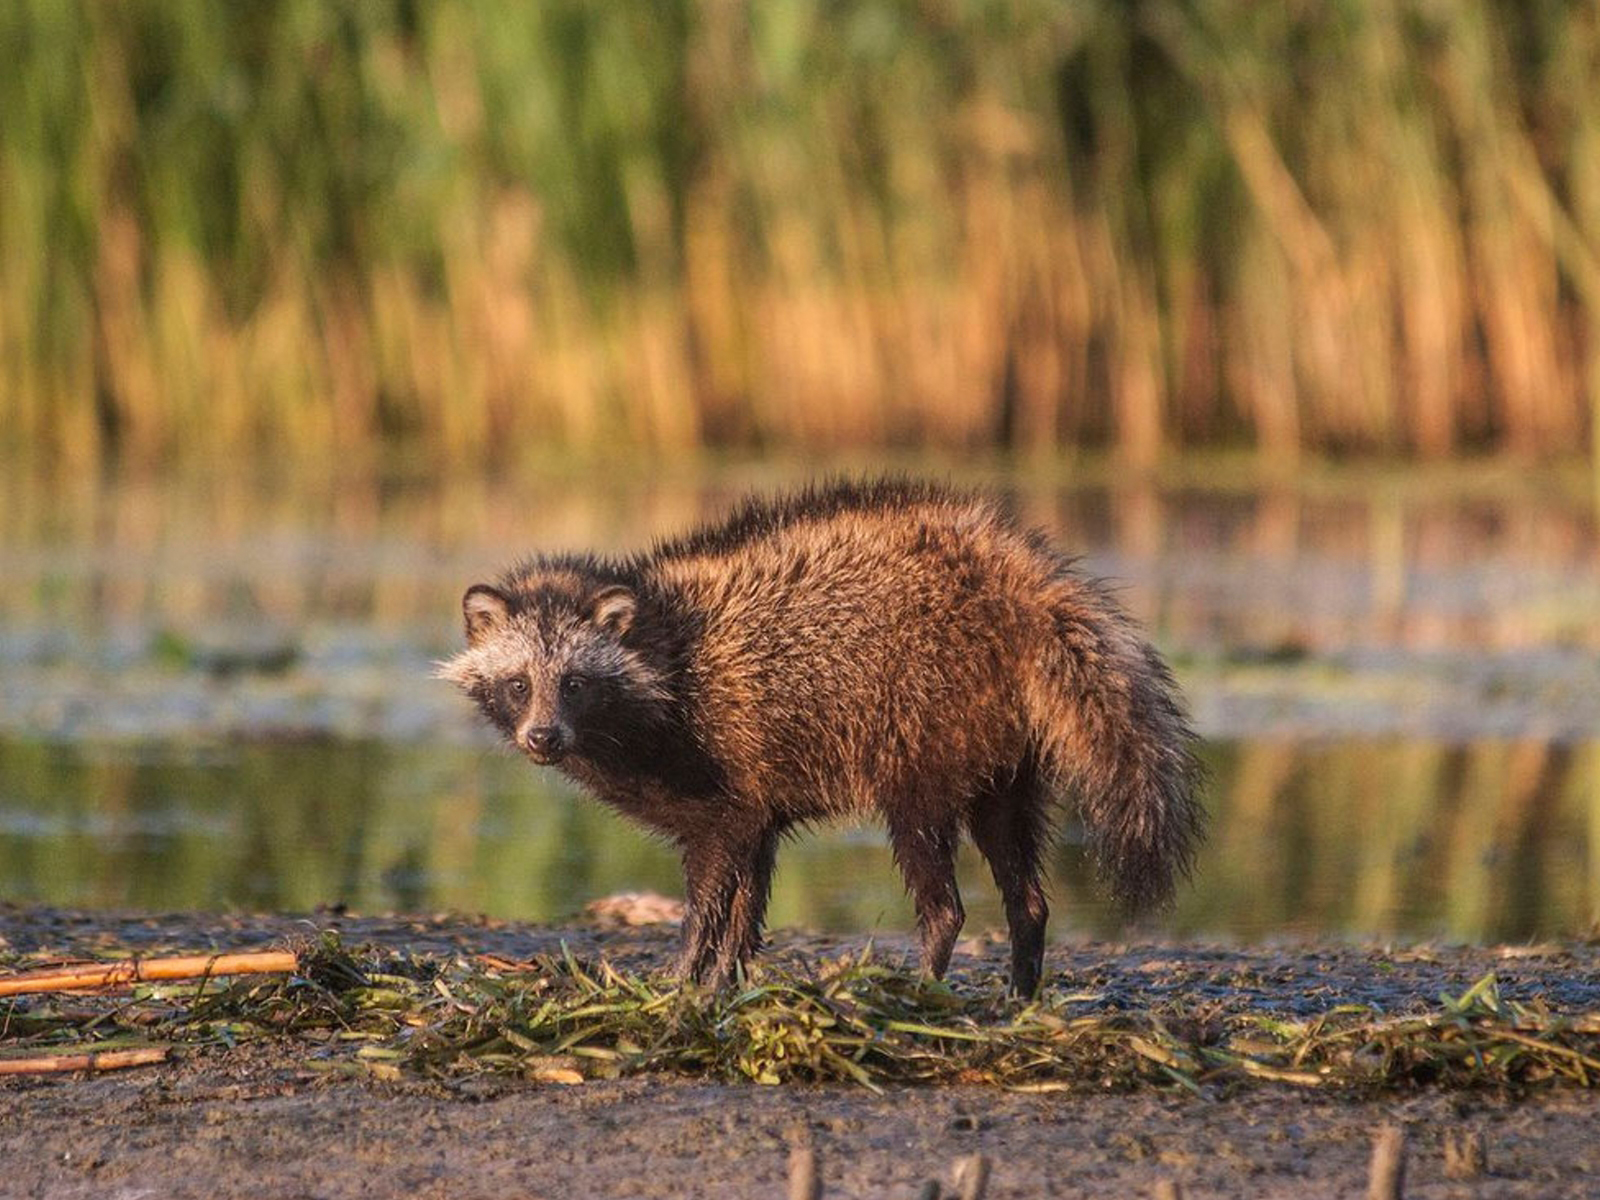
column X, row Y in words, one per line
column 855, row 1020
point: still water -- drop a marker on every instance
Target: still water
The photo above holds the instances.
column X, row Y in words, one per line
column 1483, row 841
column 214, row 694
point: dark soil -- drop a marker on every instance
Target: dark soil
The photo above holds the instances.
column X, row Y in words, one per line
column 256, row 1119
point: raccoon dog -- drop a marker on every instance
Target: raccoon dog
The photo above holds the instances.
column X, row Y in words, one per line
column 886, row 648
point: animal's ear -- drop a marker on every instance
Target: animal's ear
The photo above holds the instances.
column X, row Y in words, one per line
column 612, row 609
column 484, row 609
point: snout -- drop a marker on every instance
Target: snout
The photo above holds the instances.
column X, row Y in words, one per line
column 545, row 743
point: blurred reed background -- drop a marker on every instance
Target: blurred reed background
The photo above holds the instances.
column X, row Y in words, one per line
column 460, row 230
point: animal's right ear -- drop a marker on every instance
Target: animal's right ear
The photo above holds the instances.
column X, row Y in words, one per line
column 484, row 610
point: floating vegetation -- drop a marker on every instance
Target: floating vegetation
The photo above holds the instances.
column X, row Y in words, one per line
column 559, row 1019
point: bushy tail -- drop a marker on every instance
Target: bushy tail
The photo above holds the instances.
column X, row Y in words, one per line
column 1112, row 731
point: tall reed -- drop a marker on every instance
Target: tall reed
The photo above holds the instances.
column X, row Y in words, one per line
column 468, row 228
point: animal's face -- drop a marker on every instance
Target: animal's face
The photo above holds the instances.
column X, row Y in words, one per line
column 547, row 665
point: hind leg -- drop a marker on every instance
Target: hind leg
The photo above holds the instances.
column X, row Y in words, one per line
column 1010, row 827
column 927, row 860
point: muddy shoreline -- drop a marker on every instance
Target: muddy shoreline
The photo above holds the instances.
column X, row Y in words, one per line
column 1282, row 978
column 258, row 1112
column 216, row 1121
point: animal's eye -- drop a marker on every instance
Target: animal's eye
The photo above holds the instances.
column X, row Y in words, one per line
column 571, row 685
column 519, row 688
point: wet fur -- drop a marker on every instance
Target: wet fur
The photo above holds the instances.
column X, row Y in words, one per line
column 889, row 648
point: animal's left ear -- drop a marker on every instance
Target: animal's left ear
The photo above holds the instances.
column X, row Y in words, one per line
column 612, row 609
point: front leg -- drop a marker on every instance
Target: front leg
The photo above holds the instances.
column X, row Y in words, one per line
column 702, row 912
column 753, row 888
column 727, row 874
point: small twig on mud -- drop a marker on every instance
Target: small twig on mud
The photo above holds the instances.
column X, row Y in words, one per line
column 94, row 976
column 100, row 1060
column 1387, row 1179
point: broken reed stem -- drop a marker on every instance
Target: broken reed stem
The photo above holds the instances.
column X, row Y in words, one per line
column 95, row 1060
column 1387, row 1179
column 972, row 1176
column 804, row 1181
column 142, row 970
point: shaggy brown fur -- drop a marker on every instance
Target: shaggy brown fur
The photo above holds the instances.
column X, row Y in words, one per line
column 884, row 648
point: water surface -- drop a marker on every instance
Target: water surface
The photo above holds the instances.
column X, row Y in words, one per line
column 215, row 693
column 1482, row 841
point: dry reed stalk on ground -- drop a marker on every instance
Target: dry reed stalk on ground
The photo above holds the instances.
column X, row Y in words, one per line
column 92, row 976
column 94, row 1060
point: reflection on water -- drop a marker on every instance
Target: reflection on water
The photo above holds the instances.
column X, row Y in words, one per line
column 214, row 692
column 1487, row 841
column 1347, row 560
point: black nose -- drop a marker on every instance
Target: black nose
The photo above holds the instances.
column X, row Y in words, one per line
column 545, row 741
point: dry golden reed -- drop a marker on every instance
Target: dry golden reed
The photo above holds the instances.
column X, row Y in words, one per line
column 472, row 228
